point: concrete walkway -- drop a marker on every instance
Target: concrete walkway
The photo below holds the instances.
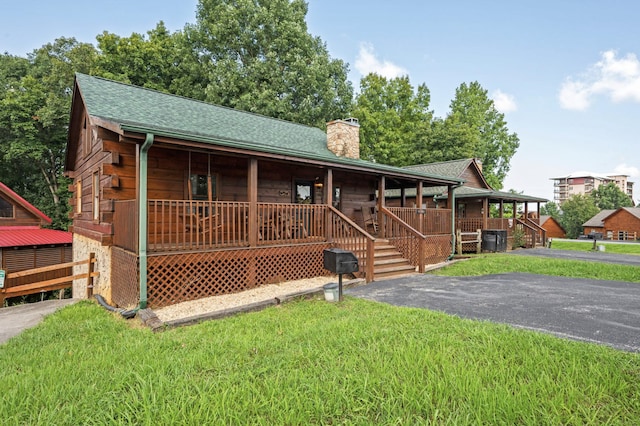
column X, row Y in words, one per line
column 15, row 319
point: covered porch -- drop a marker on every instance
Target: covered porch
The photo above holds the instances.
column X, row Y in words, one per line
column 270, row 224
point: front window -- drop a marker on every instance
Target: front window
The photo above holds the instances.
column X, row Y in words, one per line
column 304, row 192
column 96, row 196
column 203, row 187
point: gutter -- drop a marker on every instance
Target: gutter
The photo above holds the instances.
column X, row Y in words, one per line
column 453, row 221
column 142, row 218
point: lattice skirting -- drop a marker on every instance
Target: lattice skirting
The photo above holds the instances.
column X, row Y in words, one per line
column 125, row 290
column 179, row 277
column 438, row 249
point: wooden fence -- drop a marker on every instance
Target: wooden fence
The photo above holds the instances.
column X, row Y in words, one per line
column 14, row 282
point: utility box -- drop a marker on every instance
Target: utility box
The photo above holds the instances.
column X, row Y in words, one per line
column 340, row 261
column 494, row 240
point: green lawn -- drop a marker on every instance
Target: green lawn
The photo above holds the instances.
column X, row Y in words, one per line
column 310, row 362
column 497, row 263
column 610, row 247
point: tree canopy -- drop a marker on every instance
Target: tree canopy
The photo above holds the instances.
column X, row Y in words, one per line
column 394, row 119
column 609, row 196
column 575, row 211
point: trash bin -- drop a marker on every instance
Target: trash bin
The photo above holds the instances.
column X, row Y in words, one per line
column 331, row 292
column 494, row 240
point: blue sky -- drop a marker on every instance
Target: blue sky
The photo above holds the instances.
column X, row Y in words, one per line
column 566, row 74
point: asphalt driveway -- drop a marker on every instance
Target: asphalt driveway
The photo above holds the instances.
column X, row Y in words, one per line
column 604, row 312
column 15, row 319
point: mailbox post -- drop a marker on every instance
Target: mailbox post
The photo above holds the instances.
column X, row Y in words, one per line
column 340, row 262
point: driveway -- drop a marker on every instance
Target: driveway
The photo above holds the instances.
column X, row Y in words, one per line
column 604, row 312
column 15, row 319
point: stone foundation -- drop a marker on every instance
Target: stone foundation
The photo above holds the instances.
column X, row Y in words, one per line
column 82, row 246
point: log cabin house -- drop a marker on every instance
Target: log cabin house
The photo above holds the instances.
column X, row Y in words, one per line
column 181, row 199
column 477, row 205
column 25, row 244
column 552, row 227
column 620, row 224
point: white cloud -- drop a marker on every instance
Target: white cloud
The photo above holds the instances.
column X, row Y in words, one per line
column 625, row 169
column 504, row 102
column 367, row 63
column 616, row 78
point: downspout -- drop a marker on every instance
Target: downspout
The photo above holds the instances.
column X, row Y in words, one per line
column 142, row 218
column 453, row 221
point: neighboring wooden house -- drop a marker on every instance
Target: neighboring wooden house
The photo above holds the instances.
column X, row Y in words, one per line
column 620, row 224
column 24, row 244
column 474, row 200
column 595, row 225
column 552, row 227
column 180, row 199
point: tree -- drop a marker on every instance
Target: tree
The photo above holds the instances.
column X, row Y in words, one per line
column 492, row 143
column 575, row 211
column 142, row 61
column 394, row 119
column 551, row 209
column 34, row 116
column 256, row 55
column 610, row 197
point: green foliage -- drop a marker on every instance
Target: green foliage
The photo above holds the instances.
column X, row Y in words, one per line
column 610, row 197
column 551, row 209
column 519, row 237
column 575, row 211
column 34, row 115
column 485, row 131
column 502, row 263
column 311, row 362
column 257, row 55
column 143, row 61
column 394, row 119
column 610, row 247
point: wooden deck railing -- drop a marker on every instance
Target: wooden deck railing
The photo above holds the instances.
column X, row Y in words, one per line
column 407, row 240
column 427, row 221
column 47, row 278
column 541, row 233
column 290, row 223
column 347, row 235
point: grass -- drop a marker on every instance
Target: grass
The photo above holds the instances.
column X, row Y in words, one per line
column 310, row 362
column 499, row 263
column 624, row 248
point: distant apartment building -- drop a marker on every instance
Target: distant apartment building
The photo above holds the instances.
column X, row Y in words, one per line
column 584, row 182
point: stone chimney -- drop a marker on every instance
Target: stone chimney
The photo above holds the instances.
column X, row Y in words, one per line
column 343, row 137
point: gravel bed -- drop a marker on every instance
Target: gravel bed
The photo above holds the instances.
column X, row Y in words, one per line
column 227, row 301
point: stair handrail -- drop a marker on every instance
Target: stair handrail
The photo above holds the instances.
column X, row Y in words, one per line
column 540, row 229
column 368, row 273
column 531, row 230
column 422, row 239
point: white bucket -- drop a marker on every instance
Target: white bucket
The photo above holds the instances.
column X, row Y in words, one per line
column 331, row 292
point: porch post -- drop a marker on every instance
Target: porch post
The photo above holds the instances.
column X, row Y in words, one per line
column 252, row 191
column 381, row 189
column 419, row 215
column 328, row 196
column 501, row 209
column 485, row 215
column 403, row 197
column 450, row 198
column 526, row 211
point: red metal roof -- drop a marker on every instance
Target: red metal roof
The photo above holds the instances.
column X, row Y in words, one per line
column 19, row 236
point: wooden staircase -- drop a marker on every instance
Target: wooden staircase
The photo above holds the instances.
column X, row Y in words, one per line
column 388, row 262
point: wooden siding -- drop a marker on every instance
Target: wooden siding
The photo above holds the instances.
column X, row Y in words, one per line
column 622, row 225
column 21, row 216
column 473, row 178
column 553, row 228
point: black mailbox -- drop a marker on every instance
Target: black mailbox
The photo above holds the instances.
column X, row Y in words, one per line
column 340, row 261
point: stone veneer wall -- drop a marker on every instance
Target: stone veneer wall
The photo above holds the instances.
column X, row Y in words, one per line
column 82, row 246
column 343, row 138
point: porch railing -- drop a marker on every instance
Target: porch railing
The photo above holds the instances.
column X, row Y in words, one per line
column 409, row 242
column 427, row 221
column 347, row 235
column 290, row 223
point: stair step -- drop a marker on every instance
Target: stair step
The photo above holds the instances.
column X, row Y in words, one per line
column 391, row 271
column 391, row 261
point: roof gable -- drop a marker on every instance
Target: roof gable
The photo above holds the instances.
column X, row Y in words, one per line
column 633, row 211
column 16, row 199
column 467, row 169
column 597, row 221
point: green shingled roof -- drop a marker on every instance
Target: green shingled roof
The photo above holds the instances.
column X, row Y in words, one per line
column 453, row 168
column 137, row 109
